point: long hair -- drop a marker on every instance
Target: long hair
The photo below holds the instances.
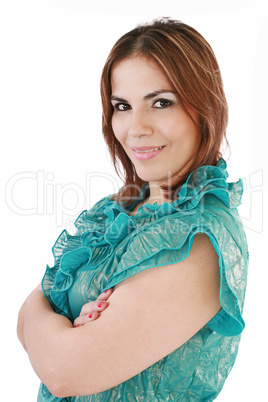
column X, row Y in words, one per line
column 190, row 65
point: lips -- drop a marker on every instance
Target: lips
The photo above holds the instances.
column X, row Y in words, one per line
column 146, row 149
column 144, row 153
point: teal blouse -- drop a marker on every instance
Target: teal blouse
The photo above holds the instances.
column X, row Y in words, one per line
column 111, row 245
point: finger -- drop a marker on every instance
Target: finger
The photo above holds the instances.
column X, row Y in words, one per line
column 82, row 320
column 93, row 306
column 105, row 295
column 89, row 307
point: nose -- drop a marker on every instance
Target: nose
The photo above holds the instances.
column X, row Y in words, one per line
column 140, row 124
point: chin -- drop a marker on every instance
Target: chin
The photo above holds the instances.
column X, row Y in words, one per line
column 152, row 178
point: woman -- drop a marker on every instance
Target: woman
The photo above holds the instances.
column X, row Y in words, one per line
column 145, row 301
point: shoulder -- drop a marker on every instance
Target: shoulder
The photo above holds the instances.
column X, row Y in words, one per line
column 202, row 247
column 199, row 268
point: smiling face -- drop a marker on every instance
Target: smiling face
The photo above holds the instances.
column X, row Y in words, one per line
column 156, row 133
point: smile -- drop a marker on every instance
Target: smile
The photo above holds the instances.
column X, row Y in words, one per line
column 145, row 153
column 145, row 149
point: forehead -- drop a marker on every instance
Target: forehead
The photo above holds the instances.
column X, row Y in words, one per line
column 136, row 73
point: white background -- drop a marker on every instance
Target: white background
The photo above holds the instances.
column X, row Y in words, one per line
column 54, row 162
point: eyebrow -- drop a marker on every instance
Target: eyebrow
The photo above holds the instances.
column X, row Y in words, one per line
column 146, row 97
column 156, row 93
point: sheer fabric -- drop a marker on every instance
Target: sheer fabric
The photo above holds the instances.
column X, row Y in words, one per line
column 110, row 245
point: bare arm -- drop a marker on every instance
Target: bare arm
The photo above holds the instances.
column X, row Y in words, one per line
column 91, row 311
column 20, row 324
column 150, row 315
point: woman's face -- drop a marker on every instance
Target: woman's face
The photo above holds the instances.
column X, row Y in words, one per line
column 156, row 133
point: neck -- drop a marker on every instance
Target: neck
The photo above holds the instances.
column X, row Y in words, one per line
column 156, row 194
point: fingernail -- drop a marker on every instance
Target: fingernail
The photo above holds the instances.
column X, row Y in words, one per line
column 100, row 304
column 90, row 315
column 106, row 291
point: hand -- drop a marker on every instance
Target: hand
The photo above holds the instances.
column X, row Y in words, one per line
column 91, row 311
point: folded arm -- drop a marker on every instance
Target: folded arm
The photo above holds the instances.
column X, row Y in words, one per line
column 150, row 315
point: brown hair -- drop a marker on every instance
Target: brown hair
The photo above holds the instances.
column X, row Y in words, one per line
column 190, row 65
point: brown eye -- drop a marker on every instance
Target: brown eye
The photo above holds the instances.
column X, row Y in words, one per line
column 162, row 103
column 122, row 107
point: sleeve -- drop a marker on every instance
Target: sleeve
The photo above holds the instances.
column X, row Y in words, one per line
column 169, row 240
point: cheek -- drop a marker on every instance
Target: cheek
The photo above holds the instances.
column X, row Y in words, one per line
column 117, row 128
column 185, row 137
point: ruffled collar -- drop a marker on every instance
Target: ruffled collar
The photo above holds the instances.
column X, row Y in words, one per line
column 112, row 221
column 205, row 180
